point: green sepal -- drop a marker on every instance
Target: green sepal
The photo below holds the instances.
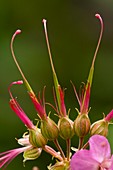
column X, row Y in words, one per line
column 64, row 165
column 32, row 154
column 82, row 125
column 99, row 127
column 56, row 84
column 36, row 138
column 28, row 86
column 66, row 130
column 90, row 77
column 49, row 129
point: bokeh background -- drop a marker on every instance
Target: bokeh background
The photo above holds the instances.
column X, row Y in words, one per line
column 73, row 33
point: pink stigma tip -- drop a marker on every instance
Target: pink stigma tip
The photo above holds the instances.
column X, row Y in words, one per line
column 44, row 20
column 17, row 82
column 18, row 31
column 98, row 16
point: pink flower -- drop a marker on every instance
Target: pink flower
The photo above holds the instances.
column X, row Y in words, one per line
column 98, row 157
column 8, row 156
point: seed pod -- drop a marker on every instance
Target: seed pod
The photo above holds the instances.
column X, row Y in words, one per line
column 49, row 129
column 82, row 125
column 99, row 127
column 36, row 138
column 65, row 126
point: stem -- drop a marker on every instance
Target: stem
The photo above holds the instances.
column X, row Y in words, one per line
column 59, row 148
column 52, row 152
column 85, row 146
column 68, row 142
column 81, row 140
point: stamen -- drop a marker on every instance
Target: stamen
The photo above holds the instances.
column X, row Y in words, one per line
column 76, row 94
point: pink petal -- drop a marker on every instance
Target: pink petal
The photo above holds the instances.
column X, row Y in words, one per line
column 82, row 160
column 21, row 114
column 8, row 156
column 111, row 168
column 99, row 148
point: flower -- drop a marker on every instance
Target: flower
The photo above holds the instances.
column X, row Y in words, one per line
column 8, row 156
column 97, row 157
column 29, row 152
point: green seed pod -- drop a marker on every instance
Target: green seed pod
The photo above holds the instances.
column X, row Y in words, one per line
column 99, row 127
column 36, row 138
column 64, row 165
column 49, row 129
column 82, row 125
column 65, row 126
column 32, row 154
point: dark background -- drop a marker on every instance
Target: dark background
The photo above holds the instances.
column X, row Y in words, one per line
column 73, row 34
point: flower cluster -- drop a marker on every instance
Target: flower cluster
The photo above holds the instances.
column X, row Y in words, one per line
column 36, row 139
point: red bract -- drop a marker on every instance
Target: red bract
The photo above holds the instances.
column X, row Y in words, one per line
column 18, row 110
column 109, row 116
column 62, row 103
column 21, row 114
column 39, row 107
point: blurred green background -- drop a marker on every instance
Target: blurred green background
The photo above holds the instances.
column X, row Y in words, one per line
column 73, row 33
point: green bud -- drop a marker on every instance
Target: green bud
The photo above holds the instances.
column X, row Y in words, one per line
column 32, row 154
column 64, row 165
column 99, row 127
column 36, row 138
column 65, row 126
column 82, row 125
column 49, row 129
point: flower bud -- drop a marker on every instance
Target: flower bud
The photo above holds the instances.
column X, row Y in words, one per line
column 99, row 127
column 36, row 138
column 49, row 129
column 64, row 165
column 82, row 125
column 32, row 154
column 65, row 126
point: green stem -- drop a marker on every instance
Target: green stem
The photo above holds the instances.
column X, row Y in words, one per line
column 68, row 142
column 51, row 151
column 81, row 140
column 85, row 146
column 59, row 148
